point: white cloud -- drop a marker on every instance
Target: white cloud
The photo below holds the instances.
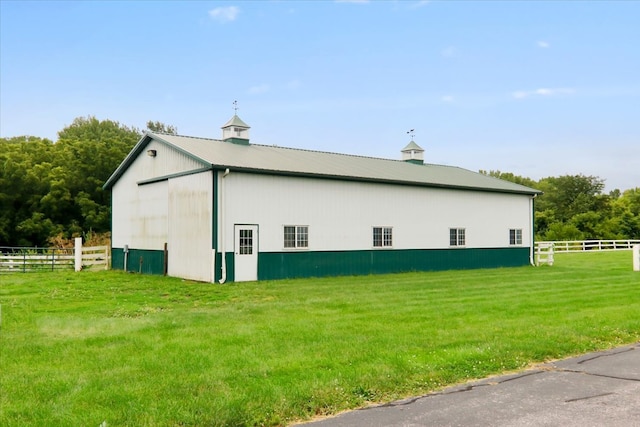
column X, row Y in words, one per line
column 521, row 94
column 543, row 44
column 224, row 14
column 448, row 98
column 544, row 91
column 258, row 89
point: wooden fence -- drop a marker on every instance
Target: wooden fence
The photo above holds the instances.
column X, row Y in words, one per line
column 96, row 257
column 26, row 260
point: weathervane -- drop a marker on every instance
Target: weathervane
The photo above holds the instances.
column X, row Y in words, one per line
column 235, row 107
column 412, row 133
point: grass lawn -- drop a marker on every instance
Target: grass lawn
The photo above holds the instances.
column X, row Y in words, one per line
column 78, row 349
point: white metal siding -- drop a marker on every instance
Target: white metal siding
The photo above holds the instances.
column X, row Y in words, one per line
column 139, row 212
column 150, row 224
column 190, row 230
column 139, row 215
column 340, row 214
column 167, row 161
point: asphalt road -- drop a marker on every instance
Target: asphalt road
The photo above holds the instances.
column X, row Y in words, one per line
column 596, row 389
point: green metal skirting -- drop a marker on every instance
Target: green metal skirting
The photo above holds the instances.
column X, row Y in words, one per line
column 144, row 261
column 281, row 265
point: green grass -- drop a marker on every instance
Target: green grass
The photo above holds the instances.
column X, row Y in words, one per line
column 77, row 349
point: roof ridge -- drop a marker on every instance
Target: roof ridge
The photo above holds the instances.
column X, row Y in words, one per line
column 185, row 136
column 282, row 147
column 326, row 152
column 309, row 150
column 357, row 155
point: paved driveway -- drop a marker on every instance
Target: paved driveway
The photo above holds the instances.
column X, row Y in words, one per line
column 597, row 389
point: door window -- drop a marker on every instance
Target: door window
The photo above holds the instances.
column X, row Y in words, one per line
column 246, row 242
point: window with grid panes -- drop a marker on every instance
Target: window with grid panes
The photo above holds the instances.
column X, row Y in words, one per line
column 382, row 237
column 296, row 236
column 246, row 242
column 515, row 236
column 456, row 237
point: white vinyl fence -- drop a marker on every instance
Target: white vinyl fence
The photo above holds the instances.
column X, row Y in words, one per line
column 545, row 250
column 590, row 245
column 27, row 260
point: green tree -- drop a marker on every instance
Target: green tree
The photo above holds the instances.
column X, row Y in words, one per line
column 36, row 230
column 543, row 220
column 561, row 231
column 625, row 214
column 592, row 225
column 508, row 176
column 631, row 199
column 92, row 149
column 570, row 195
column 25, row 162
column 47, row 188
column 159, row 127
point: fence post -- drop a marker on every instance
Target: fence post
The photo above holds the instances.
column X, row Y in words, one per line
column 78, row 253
column 636, row 257
column 166, row 260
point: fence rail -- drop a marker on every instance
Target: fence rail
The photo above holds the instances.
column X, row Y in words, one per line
column 587, row 245
column 27, row 260
column 96, row 257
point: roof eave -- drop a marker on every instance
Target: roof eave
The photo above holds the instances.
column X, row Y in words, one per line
column 147, row 137
column 527, row 192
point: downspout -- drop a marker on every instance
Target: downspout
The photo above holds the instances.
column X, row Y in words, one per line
column 532, row 245
column 222, row 228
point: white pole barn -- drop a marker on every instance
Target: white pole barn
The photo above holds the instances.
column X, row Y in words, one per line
column 231, row 210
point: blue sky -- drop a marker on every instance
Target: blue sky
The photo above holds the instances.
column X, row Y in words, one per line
column 538, row 89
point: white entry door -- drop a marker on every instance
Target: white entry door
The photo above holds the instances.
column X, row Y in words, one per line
column 246, row 253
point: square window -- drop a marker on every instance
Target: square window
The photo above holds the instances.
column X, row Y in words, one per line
column 382, row 237
column 296, row 236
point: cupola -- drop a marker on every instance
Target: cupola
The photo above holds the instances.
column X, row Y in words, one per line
column 413, row 153
column 236, row 131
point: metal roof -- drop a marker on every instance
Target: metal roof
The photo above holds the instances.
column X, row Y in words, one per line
column 412, row 146
column 236, row 121
column 289, row 161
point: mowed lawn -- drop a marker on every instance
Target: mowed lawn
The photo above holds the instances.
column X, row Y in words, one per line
column 80, row 349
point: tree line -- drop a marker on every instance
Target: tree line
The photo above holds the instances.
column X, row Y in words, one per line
column 52, row 191
column 575, row 207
